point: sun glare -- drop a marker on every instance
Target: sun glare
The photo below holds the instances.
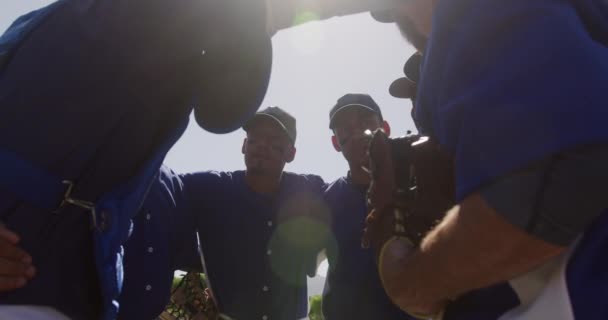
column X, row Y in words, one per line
column 322, row 269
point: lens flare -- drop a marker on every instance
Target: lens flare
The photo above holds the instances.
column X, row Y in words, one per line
column 302, row 232
column 307, row 39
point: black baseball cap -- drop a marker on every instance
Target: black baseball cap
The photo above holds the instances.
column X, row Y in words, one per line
column 406, row 87
column 353, row 100
column 286, row 121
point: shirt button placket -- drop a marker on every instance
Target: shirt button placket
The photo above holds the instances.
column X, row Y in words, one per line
column 149, row 249
column 265, row 289
column 269, row 223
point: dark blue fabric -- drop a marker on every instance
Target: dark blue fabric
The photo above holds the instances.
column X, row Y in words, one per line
column 18, row 31
column 56, row 248
column 593, row 13
column 483, row 304
column 13, row 177
column 353, row 289
column 19, row 175
column 238, row 227
column 587, row 273
column 507, row 82
column 162, row 241
column 75, row 100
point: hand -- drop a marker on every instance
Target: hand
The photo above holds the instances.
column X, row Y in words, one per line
column 378, row 229
column 412, row 184
column 15, row 264
column 380, row 224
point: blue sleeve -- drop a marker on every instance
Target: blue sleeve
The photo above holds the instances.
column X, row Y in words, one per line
column 317, row 184
column 184, row 246
column 198, row 187
column 322, row 218
column 508, row 82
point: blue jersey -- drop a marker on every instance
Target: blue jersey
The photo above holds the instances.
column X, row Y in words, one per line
column 516, row 82
column 163, row 240
column 353, row 289
column 258, row 248
column 509, row 82
column 96, row 92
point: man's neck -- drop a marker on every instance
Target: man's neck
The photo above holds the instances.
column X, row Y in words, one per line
column 263, row 183
column 359, row 177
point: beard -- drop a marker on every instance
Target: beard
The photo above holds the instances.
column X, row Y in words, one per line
column 357, row 156
column 255, row 171
column 411, row 33
column 260, row 165
column 256, row 167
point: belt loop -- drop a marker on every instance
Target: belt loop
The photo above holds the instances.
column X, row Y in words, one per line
column 87, row 205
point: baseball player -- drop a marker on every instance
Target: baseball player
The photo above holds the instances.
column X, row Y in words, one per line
column 530, row 154
column 352, row 278
column 261, row 229
column 92, row 96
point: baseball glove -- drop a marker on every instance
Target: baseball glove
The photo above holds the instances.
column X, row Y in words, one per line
column 412, row 188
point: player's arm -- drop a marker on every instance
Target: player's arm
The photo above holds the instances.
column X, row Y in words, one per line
column 193, row 217
column 473, row 247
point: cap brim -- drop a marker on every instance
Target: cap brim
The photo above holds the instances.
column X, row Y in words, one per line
column 348, row 106
column 257, row 116
column 411, row 68
column 403, row 88
column 384, row 16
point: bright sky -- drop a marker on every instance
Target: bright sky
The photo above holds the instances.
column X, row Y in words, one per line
column 314, row 64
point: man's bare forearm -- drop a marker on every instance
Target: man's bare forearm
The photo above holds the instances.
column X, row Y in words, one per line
column 473, row 247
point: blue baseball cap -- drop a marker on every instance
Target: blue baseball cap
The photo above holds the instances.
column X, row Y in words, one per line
column 353, row 100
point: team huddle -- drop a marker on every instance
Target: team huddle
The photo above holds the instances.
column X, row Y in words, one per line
column 495, row 209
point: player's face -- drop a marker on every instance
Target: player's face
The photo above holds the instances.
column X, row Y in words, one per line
column 414, row 19
column 267, row 147
column 349, row 129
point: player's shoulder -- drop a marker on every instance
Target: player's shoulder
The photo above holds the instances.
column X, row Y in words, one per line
column 336, row 187
column 168, row 178
column 305, row 180
column 212, row 178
